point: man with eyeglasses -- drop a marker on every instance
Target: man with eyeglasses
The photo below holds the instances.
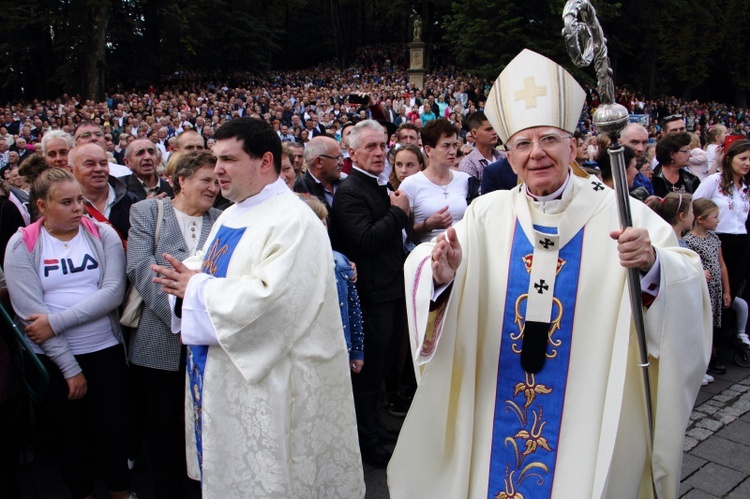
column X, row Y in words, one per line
column 89, row 132
column 522, row 330
column 324, row 161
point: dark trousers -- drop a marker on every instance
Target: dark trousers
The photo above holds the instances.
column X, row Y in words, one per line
column 734, row 249
column 381, row 324
column 94, row 429
column 162, row 418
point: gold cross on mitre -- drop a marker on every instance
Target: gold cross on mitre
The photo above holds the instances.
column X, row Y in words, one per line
column 530, row 92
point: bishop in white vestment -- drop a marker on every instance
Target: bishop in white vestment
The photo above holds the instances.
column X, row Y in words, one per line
column 570, row 422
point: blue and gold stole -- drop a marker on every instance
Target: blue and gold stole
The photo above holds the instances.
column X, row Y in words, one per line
column 215, row 263
column 529, row 407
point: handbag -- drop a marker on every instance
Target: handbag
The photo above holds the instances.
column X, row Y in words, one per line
column 132, row 307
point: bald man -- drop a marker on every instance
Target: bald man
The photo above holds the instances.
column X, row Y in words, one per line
column 88, row 132
column 189, row 140
column 106, row 198
column 635, row 136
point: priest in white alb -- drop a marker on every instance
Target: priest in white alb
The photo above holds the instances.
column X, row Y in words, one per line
column 522, row 331
column 269, row 404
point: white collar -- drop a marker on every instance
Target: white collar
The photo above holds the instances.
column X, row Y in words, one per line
column 380, row 181
column 270, row 190
column 317, row 181
column 550, row 197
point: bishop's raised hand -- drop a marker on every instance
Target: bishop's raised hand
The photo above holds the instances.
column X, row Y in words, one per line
column 446, row 257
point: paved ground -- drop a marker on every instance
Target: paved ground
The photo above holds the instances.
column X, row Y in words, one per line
column 716, row 462
column 717, row 443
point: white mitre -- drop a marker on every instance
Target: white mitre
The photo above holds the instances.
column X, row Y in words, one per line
column 533, row 91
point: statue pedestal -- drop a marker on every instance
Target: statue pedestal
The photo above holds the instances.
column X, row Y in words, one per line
column 416, row 64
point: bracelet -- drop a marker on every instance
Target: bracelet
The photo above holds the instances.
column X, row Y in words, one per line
column 424, row 225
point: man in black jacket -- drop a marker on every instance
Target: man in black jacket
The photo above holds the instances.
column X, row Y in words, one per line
column 324, row 161
column 142, row 157
column 368, row 223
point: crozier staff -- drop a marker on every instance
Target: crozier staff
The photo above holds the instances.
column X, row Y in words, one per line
column 528, row 372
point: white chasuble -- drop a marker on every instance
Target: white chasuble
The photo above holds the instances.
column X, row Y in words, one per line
column 482, row 427
column 274, row 416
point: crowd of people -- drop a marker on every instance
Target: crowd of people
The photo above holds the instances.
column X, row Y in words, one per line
column 99, row 195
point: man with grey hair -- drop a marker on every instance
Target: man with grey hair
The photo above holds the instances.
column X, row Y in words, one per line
column 20, row 148
column 367, row 226
column 324, row 161
column 525, row 346
column 142, row 157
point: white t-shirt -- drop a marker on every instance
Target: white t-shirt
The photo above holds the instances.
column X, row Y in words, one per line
column 426, row 198
column 69, row 271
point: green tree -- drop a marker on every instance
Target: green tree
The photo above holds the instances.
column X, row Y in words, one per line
column 734, row 48
column 486, row 35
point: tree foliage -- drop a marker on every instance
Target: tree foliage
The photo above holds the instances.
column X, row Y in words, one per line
column 688, row 48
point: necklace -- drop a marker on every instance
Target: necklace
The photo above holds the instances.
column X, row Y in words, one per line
column 66, row 244
column 444, row 188
column 673, row 186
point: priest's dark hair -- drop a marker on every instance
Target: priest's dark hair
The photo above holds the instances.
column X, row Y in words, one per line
column 257, row 137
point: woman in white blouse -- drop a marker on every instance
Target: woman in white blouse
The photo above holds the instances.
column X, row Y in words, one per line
column 156, row 355
column 438, row 194
column 730, row 193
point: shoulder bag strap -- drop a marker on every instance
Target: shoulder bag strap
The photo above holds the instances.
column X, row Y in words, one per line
column 159, row 216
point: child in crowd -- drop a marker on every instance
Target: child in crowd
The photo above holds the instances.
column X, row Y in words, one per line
column 706, row 243
column 346, row 276
column 677, row 210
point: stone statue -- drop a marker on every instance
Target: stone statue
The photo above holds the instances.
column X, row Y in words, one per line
column 418, row 29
